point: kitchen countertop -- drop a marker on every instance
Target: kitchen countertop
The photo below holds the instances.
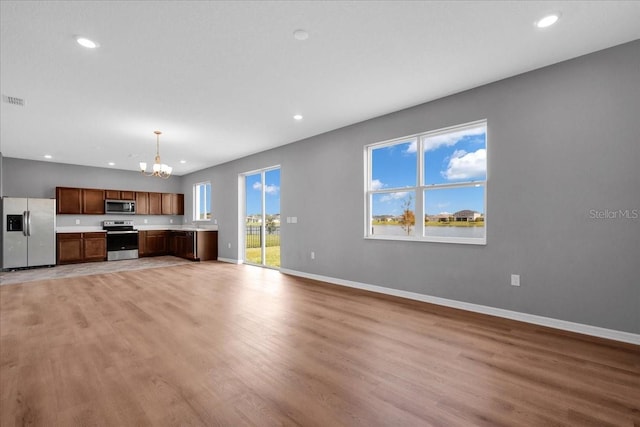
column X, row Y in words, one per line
column 145, row 227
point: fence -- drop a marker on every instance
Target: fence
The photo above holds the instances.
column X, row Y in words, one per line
column 254, row 236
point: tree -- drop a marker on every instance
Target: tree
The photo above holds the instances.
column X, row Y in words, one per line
column 271, row 224
column 407, row 219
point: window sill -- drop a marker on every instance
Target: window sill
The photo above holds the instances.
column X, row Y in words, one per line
column 426, row 239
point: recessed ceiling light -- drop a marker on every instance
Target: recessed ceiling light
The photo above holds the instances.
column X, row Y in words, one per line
column 297, row 117
column 85, row 42
column 47, row 156
column 111, row 164
column 183, row 161
column 548, row 21
column 300, row 35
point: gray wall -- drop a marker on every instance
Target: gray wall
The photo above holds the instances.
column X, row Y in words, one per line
column 30, row 178
column 1, row 187
column 563, row 142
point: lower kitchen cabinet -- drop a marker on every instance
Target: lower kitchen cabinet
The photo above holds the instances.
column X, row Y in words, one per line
column 81, row 247
column 182, row 244
column 94, row 246
column 194, row 245
column 207, row 245
column 153, row 242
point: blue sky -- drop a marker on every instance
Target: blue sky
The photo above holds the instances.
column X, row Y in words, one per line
column 458, row 156
column 205, row 194
column 253, row 191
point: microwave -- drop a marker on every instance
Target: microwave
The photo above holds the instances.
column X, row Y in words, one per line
column 127, row 207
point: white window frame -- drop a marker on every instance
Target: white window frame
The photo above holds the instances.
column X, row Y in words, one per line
column 420, row 187
column 196, row 201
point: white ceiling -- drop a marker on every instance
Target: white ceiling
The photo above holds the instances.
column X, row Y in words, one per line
column 222, row 80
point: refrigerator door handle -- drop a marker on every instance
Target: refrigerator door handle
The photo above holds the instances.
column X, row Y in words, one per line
column 28, row 223
column 25, row 224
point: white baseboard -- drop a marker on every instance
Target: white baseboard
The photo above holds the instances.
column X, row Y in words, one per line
column 229, row 260
column 499, row 312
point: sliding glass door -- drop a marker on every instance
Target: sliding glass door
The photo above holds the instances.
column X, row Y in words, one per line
column 262, row 217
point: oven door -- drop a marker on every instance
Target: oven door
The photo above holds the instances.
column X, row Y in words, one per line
column 122, row 245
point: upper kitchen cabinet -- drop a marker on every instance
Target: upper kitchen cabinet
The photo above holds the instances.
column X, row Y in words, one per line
column 92, row 201
column 172, row 204
column 167, row 204
column 155, row 203
column 142, row 203
column 119, row 195
column 79, row 201
column 178, row 204
column 68, row 200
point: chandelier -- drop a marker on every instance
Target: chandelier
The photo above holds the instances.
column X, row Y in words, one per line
column 159, row 169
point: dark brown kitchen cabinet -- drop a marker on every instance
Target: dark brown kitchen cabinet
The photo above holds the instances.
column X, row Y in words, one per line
column 119, row 195
column 183, row 244
column 81, row 247
column 153, row 242
column 69, row 248
column 112, row 194
column 155, row 203
column 167, row 204
column 178, row 204
column 142, row 203
column 172, row 204
column 68, row 200
column 94, row 246
column 195, row 245
column 73, row 201
column 207, row 245
column 92, row 201
column 142, row 243
column 79, row 201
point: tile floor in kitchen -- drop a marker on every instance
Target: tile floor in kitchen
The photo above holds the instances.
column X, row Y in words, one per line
column 85, row 269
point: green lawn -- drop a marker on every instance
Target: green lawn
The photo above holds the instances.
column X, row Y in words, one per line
column 272, row 240
column 252, row 255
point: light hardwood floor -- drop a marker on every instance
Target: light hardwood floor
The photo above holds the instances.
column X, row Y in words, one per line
column 208, row 344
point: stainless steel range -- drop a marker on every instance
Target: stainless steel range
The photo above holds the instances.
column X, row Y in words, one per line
column 122, row 240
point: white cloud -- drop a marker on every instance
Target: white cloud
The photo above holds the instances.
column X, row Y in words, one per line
column 412, row 148
column 451, row 138
column 463, row 165
column 269, row 189
column 376, row 184
column 393, row 196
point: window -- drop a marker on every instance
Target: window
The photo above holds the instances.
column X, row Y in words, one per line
column 202, row 201
column 440, row 176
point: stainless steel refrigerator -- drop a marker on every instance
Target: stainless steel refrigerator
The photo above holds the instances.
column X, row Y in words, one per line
column 28, row 232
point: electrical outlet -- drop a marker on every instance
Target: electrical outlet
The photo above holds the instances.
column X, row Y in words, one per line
column 77, row 222
column 313, row 255
column 294, row 220
column 229, row 245
column 515, row 280
column 215, row 221
column 171, row 221
column 146, row 220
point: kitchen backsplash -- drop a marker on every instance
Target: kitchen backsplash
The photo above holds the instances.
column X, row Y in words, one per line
column 96, row 220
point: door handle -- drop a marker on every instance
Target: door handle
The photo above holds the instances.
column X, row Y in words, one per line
column 25, row 224
column 28, row 223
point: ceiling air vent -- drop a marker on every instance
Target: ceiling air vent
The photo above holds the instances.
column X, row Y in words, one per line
column 13, row 100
